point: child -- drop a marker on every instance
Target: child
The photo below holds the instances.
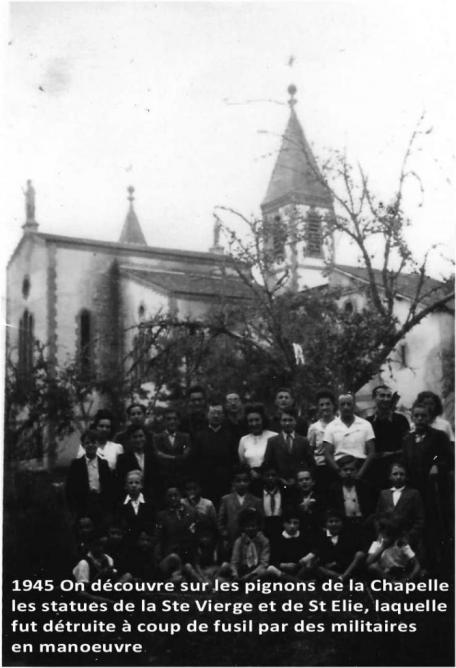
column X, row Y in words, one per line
column 141, row 563
column 96, row 565
column 250, row 556
column 204, row 507
column 291, row 556
column 85, row 531
column 116, row 546
column 273, row 498
column 176, row 535
column 232, row 504
column 403, row 503
column 338, row 550
column 205, row 566
column 136, row 514
column 352, row 497
column 390, row 556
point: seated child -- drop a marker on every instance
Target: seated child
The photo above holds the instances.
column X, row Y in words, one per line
column 338, row 549
column 175, row 535
column 390, row 556
column 292, row 555
column 205, row 567
column 273, row 497
column 403, row 503
column 96, row 565
column 135, row 514
column 204, row 507
column 85, row 531
column 250, row 556
column 116, row 546
column 231, row 506
column 140, row 562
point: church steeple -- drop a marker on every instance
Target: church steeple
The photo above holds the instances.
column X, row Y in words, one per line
column 131, row 230
column 295, row 178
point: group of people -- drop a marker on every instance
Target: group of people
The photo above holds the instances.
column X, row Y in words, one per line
column 228, row 492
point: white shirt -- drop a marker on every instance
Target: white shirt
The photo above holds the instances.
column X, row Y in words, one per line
column 396, row 494
column 81, row 572
column 109, row 451
column 267, row 503
column 252, row 448
column 349, row 440
column 135, row 502
column 93, row 473
column 334, row 539
column 315, row 436
column 351, row 501
column 140, row 459
column 443, row 425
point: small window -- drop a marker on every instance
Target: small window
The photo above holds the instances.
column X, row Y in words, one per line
column 85, row 342
column 348, row 307
column 26, row 287
column 26, row 341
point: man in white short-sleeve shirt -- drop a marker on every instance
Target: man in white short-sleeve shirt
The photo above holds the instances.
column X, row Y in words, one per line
column 349, row 434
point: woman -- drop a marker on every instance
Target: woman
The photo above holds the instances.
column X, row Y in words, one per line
column 434, row 403
column 252, row 447
column 108, row 450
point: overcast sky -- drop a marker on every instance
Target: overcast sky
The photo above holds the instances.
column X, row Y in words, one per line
column 186, row 102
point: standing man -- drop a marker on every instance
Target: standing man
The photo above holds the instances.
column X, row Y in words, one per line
column 234, row 416
column 136, row 416
column 349, row 435
column 284, row 401
column 195, row 420
column 326, row 406
column 390, row 428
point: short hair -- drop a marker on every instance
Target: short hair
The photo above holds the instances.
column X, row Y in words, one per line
column 290, row 513
column 290, row 411
column 137, row 472
column 227, row 394
column 422, row 396
column 268, row 468
column 255, row 408
column 419, row 404
column 171, row 409
column 398, row 462
column 215, row 401
column 249, row 516
column 196, row 389
column 333, row 512
column 284, row 389
column 326, row 394
column 346, row 394
column 241, row 469
column 103, row 414
column 304, row 470
column 132, row 429
column 136, row 405
column 346, row 460
column 90, row 435
column 380, row 387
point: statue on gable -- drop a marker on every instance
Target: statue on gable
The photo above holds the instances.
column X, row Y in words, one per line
column 30, row 202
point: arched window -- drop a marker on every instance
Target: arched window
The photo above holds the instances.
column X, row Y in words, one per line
column 349, row 308
column 85, row 342
column 25, row 361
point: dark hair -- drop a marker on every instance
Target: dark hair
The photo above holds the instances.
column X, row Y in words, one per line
column 302, row 469
column 103, row 414
column 215, row 401
column 171, row 409
column 196, row 388
column 290, row 513
column 249, row 516
column 255, row 408
column 380, row 387
column 345, row 460
column 419, row 404
column 398, row 462
column 289, row 411
column 333, row 512
column 241, row 470
column 136, row 405
column 326, row 394
column 269, row 467
column 90, row 435
column 438, row 407
column 132, row 429
column 393, row 526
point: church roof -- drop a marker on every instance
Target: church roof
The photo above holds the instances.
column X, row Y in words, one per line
column 407, row 284
column 131, row 230
column 191, row 284
column 295, row 177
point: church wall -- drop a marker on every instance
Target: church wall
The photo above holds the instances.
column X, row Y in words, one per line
column 187, row 308
column 30, row 261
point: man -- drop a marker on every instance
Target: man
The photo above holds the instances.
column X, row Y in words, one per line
column 349, row 434
column 173, row 451
column 288, row 451
column 234, row 416
column 389, row 429
column 214, row 455
column 195, row 419
column 326, row 407
column 283, row 401
column 140, row 456
column 136, row 417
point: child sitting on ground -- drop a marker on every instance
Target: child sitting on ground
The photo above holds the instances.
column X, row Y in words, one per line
column 96, row 565
column 292, row 555
column 141, row 560
column 339, row 551
column 230, row 507
column 250, row 556
column 390, row 556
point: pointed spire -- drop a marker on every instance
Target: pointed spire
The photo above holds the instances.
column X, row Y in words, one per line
column 30, row 224
column 131, row 230
column 295, row 177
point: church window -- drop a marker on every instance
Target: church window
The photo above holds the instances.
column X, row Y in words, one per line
column 85, row 342
column 314, row 235
column 26, row 341
column 26, row 287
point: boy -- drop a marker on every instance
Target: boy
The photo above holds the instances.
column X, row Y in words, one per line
column 140, row 456
column 204, row 507
column 354, row 498
column 232, row 504
column 175, row 535
column 135, row 514
column 288, row 451
column 403, row 503
column 390, row 556
column 291, row 556
column 273, row 497
column 309, row 504
column 250, row 556
column 337, row 549
column 89, row 488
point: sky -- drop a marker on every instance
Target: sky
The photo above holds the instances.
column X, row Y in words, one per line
column 187, row 101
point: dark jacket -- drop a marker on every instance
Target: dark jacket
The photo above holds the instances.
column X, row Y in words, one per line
column 285, row 461
column 80, row 500
column 409, row 509
column 366, row 498
column 128, row 462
